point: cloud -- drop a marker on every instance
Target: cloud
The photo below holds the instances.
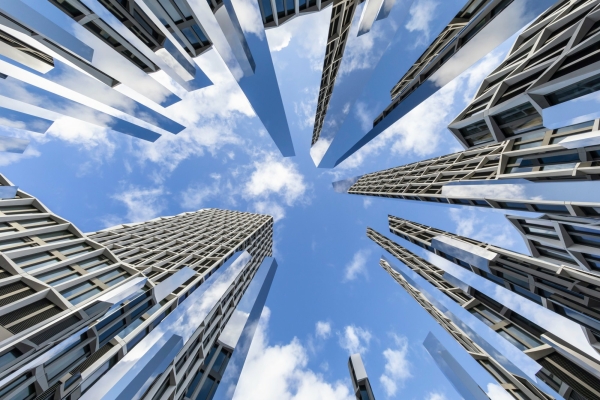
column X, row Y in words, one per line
column 472, row 223
column 280, row 372
column 196, row 195
column 323, row 329
column 355, row 339
column 142, row 204
column 423, row 129
column 436, row 396
column 363, row 52
column 248, row 14
column 10, row 158
column 357, row 266
column 271, row 208
column 276, row 175
column 292, row 35
column 305, row 109
column 211, row 115
column 421, row 14
column 496, row 392
column 397, row 366
column 367, row 202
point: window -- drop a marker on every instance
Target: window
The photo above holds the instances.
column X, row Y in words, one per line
column 586, row 86
column 517, row 120
column 10, row 356
column 36, row 222
column 477, row 133
column 35, row 261
column 58, row 276
column 66, row 362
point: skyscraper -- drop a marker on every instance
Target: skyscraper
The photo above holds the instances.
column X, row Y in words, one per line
column 360, row 380
column 552, row 278
column 65, row 58
column 523, row 173
column 511, row 378
column 562, row 366
column 180, row 295
column 551, row 65
column 477, row 28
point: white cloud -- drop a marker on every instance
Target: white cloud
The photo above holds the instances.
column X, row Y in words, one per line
column 211, row 115
column 355, row 339
column 195, row 195
column 248, row 14
column 472, row 223
column 397, row 366
column 496, row 392
column 305, row 109
column 436, row 396
column 421, row 14
column 275, row 175
column 271, row 208
column 10, row 158
column 367, row 202
column 356, row 267
column 280, row 372
column 364, row 51
column 292, row 34
column 142, row 204
column 323, row 329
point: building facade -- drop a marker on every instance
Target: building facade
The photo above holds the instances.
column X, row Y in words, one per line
column 565, row 288
column 476, row 29
column 567, row 370
column 181, row 295
column 360, row 380
column 66, row 56
column 551, row 65
column 505, row 373
column 479, row 177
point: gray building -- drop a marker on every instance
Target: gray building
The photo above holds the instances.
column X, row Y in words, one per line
column 508, row 376
column 563, row 367
column 360, row 380
column 474, row 29
column 180, row 295
column 69, row 55
column 563, row 287
column 512, row 175
column 551, row 65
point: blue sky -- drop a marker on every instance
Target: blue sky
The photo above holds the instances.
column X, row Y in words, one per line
column 330, row 296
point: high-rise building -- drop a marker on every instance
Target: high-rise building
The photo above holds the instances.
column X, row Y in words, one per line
column 478, row 27
column 144, row 310
column 460, row 379
column 521, row 173
column 551, row 277
column 562, row 366
column 547, row 80
column 360, row 380
column 509, row 376
column 66, row 57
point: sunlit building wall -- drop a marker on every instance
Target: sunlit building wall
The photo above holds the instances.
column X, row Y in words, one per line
column 552, row 64
column 173, row 293
column 484, row 176
column 510, row 378
column 563, row 367
column 66, row 56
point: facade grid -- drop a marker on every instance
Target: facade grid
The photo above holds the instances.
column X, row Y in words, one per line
column 515, row 385
column 106, row 291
